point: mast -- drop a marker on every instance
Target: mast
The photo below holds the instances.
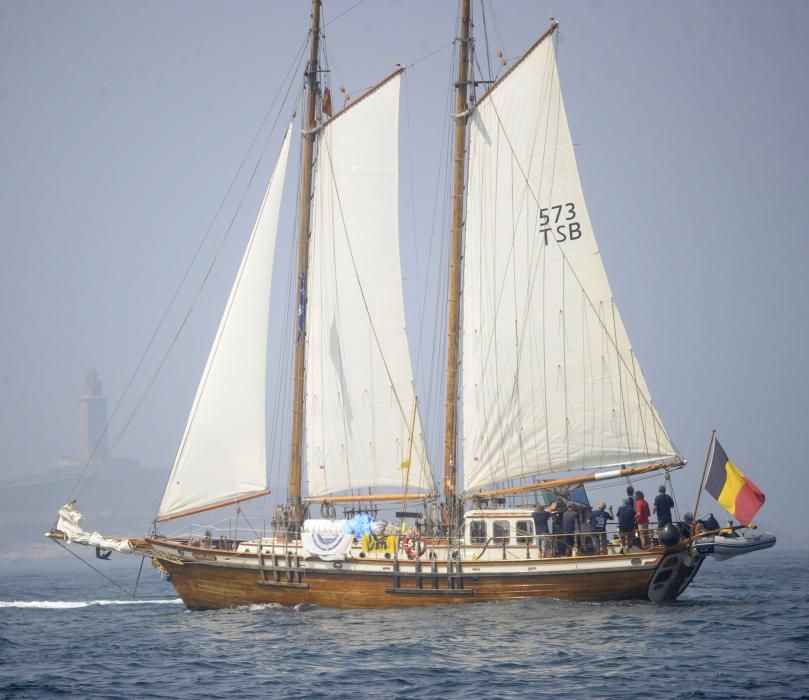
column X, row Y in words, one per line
column 311, row 75
column 454, row 299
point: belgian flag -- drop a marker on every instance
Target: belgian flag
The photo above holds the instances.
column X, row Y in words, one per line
column 732, row 489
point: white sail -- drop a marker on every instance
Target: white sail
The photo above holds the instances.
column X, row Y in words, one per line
column 550, row 382
column 223, row 452
column 359, row 382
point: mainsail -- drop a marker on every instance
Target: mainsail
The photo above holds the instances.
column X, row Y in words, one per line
column 362, row 423
column 222, row 456
column 550, row 382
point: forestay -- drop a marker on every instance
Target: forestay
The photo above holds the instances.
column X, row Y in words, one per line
column 359, row 383
column 550, row 382
column 223, row 452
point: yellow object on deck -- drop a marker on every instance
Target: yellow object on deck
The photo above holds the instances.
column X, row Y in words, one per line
column 382, row 543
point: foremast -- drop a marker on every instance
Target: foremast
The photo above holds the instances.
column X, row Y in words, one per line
column 465, row 40
column 295, row 514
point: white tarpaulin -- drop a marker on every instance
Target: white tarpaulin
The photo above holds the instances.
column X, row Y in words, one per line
column 326, row 539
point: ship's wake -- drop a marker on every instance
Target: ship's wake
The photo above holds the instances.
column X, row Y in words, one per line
column 74, row 604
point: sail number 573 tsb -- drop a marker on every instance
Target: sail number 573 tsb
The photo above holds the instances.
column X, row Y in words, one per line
column 549, row 220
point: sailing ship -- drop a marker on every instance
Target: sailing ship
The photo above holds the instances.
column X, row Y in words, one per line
column 543, row 391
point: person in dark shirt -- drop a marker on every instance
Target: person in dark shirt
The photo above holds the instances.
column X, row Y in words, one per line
column 570, row 526
column 662, row 507
column 626, row 523
column 598, row 524
column 541, row 519
column 630, row 494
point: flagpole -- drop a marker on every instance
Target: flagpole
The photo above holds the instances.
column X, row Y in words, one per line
column 704, row 472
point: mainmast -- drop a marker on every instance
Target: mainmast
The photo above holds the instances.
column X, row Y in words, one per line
column 455, row 255
column 295, row 511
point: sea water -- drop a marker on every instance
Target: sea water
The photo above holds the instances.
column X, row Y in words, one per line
column 740, row 631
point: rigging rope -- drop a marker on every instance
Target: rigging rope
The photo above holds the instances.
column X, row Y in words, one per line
column 430, row 55
column 496, row 26
column 437, row 263
column 98, row 571
column 485, row 40
column 342, row 14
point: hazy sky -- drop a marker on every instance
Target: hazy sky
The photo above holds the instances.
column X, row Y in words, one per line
column 123, row 124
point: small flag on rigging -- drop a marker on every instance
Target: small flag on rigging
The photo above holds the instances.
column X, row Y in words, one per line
column 732, row 489
column 325, row 102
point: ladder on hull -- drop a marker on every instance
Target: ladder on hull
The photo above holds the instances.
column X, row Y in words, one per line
column 292, row 570
column 454, row 578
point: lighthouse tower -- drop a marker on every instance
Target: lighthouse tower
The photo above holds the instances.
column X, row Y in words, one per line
column 93, row 419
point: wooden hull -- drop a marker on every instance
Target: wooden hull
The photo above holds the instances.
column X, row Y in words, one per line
column 207, row 579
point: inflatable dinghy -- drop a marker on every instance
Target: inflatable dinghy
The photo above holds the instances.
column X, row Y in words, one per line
column 732, row 544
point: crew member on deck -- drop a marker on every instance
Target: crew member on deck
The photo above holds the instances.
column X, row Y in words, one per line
column 598, row 524
column 642, row 519
column 662, row 507
column 541, row 519
column 626, row 523
column 557, row 510
column 570, row 526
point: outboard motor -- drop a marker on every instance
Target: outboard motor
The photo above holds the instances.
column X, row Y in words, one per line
column 709, row 523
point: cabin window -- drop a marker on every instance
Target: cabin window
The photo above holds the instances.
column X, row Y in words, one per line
column 525, row 531
column 500, row 529
column 477, row 532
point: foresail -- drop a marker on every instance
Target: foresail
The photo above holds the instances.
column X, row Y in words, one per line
column 550, row 382
column 222, row 456
column 360, row 401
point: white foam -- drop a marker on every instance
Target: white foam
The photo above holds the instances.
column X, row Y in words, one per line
column 72, row 604
column 263, row 606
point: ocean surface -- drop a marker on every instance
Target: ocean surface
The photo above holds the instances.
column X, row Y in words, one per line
column 740, row 631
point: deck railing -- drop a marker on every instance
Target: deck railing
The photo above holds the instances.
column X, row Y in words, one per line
column 228, row 535
column 562, row 544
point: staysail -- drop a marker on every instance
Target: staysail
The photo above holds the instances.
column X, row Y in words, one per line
column 360, row 403
column 223, row 452
column 550, row 382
